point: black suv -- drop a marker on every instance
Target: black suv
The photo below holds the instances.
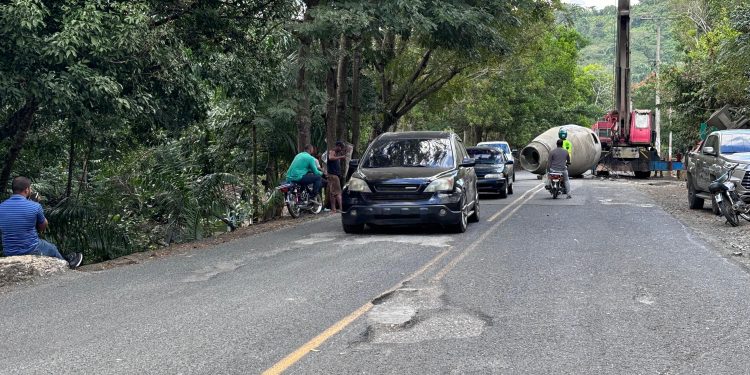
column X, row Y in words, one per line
column 412, row 178
column 494, row 171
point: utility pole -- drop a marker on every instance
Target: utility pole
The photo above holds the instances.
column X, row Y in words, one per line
column 657, row 111
column 657, row 63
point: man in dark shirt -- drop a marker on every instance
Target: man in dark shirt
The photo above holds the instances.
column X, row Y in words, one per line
column 334, row 160
column 559, row 159
column 21, row 220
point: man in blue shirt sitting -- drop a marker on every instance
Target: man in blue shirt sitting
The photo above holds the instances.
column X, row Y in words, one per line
column 21, row 220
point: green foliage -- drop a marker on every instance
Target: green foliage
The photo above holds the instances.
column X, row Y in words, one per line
column 714, row 70
column 598, row 27
column 536, row 88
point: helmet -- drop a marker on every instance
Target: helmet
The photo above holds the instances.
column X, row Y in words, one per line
column 562, row 133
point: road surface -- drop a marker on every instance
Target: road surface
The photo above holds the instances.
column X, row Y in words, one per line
column 538, row 286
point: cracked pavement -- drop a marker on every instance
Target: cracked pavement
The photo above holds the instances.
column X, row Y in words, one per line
column 604, row 283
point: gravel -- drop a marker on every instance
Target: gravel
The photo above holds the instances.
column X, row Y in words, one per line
column 17, row 269
column 671, row 195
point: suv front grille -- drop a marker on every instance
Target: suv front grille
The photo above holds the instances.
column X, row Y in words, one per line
column 397, row 188
column 746, row 180
column 400, row 197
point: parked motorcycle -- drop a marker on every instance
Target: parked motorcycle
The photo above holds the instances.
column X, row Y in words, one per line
column 555, row 184
column 298, row 198
column 729, row 202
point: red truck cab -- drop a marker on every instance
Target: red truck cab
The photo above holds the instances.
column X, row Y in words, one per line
column 641, row 126
column 604, row 130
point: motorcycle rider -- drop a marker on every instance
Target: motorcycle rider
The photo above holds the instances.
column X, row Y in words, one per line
column 563, row 134
column 559, row 159
column 304, row 171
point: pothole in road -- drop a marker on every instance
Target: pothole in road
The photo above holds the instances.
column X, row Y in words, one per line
column 435, row 325
column 210, row 272
column 421, row 240
column 411, row 315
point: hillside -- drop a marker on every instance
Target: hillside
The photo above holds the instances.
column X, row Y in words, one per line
column 598, row 27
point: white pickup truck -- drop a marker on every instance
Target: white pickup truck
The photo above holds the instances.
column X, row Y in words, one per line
column 720, row 150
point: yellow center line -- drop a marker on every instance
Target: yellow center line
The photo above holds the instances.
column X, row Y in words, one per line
column 318, row 340
column 495, row 216
column 296, row 355
column 448, row 267
column 337, row 327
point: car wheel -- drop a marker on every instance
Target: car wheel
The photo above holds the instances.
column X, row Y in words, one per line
column 354, row 228
column 510, row 188
column 514, row 176
column 694, row 201
column 474, row 218
column 463, row 220
column 503, row 191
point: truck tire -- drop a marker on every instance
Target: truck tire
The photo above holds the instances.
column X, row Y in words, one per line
column 695, row 202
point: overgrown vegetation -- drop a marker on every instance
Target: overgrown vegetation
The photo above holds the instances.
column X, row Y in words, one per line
column 705, row 58
column 150, row 122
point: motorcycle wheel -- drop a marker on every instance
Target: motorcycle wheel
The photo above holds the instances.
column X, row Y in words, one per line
column 291, row 204
column 555, row 192
column 729, row 212
column 316, row 208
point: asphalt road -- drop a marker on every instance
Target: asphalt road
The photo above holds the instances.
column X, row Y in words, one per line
column 605, row 282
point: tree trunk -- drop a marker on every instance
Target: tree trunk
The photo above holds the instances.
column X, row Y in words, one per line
column 71, row 161
column 303, row 101
column 356, row 97
column 387, row 51
column 342, row 88
column 85, row 168
column 330, row 114
column 303, row 119
column 256, row 201
column 22, row 121
column 478, row 134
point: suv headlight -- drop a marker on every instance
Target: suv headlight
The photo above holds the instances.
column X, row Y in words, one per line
column 441, row 184
column 358, row 184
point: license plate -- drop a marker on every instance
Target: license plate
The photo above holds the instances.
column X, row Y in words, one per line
column 717, row 198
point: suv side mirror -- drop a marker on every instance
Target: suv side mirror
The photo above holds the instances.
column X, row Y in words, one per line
column 509, row 162
column 353, row 164
column 709, row 151
column 468, row 162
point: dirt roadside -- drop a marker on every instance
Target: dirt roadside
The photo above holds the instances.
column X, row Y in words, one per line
column 671, row 195
column 244, row 232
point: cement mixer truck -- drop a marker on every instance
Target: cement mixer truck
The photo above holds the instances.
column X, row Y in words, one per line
column 584, row 155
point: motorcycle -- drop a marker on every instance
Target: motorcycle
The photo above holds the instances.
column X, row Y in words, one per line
column 555, row 184
column 298, row 198
column 726, row 197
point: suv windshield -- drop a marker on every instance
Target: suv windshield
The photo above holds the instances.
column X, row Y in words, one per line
column 733, row 143
column 428, row 153
column 501, row 146
column 485, row 157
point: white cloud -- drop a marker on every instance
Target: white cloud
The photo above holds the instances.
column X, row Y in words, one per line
column 599, row 4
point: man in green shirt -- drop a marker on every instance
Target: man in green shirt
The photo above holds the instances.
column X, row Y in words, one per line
column 304, row 171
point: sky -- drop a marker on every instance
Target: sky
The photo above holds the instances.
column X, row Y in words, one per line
column 597, row 3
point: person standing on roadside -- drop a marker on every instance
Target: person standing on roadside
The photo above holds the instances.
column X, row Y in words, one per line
column 21, row 221
column 335, row 156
